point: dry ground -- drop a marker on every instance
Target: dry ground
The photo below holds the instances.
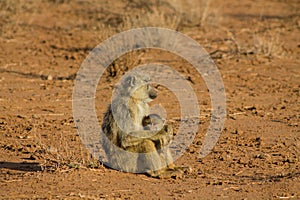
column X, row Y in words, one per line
column 255, row 44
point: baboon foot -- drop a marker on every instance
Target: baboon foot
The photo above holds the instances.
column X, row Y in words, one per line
column 174, row 172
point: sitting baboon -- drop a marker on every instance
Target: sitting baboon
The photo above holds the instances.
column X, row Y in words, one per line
column 127, row 145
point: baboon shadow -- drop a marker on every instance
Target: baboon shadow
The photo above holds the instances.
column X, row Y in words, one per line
column 37, row 76
column 22, row 166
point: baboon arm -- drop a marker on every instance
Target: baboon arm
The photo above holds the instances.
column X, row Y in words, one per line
column 131, row 140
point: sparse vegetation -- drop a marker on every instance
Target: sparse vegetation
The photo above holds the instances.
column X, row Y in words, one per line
column 269, row 44
column 255, row 45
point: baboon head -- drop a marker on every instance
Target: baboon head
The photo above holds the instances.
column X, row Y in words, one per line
column 138, row 87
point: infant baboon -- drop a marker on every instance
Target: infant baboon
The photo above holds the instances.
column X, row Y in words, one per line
column 127, row 145
column 153, row 122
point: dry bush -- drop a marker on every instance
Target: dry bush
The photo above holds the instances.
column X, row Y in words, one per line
column 173, row 14
column 156, row 18
column 170, row 14
column 195, row 12
column 268, row 44
column 121, row 65
column 262, row 43
column 138, row 19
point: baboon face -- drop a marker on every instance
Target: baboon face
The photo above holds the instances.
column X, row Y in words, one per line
column 146, row 121
column 145, row 92
column 138, row 87
column 153, row 122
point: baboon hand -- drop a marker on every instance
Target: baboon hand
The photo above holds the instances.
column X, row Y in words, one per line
column 136, row 137
column 168, row 129
column 163, row 137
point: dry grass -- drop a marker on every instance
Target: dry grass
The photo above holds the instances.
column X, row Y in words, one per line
column 265, row 43
column 195, row 12
column 269, row 44
column 60, row 150
column 156, row 18
column 172, row 14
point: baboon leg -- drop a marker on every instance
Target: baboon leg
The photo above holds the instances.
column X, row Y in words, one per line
column 166, row 153
column 123, row 161
column 172, row 172
column 150, row 160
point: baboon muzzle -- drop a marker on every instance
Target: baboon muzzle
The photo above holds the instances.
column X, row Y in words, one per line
column 152, row 93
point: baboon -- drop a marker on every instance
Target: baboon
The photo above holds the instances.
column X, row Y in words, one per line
column 153, row 122
column 128, row 146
